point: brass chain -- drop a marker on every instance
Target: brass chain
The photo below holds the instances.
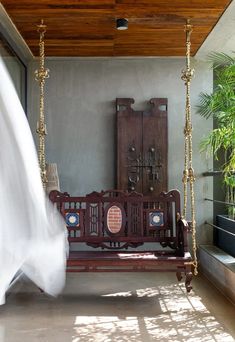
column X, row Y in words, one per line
column 40, row 75
column 188, row 173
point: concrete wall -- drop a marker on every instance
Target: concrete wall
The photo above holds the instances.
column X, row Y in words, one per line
column 80, row 113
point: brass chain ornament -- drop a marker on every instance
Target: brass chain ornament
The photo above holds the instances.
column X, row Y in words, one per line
column 40, row 75
column 188, row 173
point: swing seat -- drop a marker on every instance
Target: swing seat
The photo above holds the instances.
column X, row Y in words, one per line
column 126, row 232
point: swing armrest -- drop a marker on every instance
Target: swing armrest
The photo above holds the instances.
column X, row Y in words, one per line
column 55, row 194
column 183, row 229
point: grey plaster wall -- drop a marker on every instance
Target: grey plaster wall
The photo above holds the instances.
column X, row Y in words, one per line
column 80, row 113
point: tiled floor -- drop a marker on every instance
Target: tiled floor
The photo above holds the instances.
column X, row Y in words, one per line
column 118, row 307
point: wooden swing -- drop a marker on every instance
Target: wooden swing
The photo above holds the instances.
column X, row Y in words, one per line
column 142, row 219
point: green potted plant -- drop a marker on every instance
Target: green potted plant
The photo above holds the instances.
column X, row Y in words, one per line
column 220, row 143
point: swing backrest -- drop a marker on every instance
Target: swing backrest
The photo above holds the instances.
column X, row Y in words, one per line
column 116, row 219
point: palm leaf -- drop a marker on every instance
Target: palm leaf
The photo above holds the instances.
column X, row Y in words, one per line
column 205, row 108
column 220, row 59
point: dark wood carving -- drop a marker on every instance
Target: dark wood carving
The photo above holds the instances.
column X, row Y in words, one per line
column 142, row 220
column 142, row 147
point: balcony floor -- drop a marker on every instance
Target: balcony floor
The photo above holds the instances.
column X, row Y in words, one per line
column 118, row 307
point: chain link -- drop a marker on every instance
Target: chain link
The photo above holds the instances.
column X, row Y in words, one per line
column 40, row 75
column 188, row 173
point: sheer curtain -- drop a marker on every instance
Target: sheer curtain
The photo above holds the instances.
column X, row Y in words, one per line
column 32, row 234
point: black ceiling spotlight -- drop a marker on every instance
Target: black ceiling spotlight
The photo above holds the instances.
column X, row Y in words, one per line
column 122, row 24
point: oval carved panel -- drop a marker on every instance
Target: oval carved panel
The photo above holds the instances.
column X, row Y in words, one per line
column 114, row 219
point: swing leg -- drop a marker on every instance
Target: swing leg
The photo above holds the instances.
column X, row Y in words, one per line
column 188, row 278
column 179, row 275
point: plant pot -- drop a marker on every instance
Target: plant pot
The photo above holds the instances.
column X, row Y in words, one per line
column 223, row 240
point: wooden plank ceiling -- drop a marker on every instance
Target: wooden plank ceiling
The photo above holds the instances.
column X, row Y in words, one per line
column 87, row 28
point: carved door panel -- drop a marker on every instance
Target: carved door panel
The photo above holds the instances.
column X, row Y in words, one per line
column 142, row 147
column 129, row 131
column 155, row 142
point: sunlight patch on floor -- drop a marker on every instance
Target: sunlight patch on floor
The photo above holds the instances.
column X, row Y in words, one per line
column 93, row 328
column 182, row 318
column 118, row 294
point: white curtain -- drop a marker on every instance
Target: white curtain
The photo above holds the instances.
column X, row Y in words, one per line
column 32, row 234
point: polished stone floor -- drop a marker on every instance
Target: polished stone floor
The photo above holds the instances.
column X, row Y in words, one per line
column 118, row 307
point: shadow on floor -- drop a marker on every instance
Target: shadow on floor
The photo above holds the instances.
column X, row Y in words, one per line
column 124, row 307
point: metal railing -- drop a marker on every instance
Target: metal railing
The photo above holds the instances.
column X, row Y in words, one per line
column 219, row 228
column 222, row 202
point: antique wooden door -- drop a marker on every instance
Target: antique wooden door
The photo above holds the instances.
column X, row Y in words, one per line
column 142, row 147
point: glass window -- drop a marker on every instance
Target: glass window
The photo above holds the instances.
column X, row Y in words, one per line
column 16, row 68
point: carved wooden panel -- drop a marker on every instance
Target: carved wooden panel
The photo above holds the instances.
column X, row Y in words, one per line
column 143, row 219
column 142, row 146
